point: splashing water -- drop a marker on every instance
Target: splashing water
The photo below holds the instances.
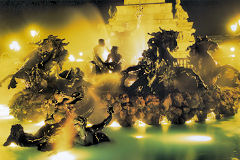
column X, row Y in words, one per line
column 139, row 124
column 115, row 124
column 4, row 112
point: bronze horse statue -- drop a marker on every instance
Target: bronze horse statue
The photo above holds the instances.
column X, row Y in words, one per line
column 204, row 64
column 158, row 72
column 50, row 54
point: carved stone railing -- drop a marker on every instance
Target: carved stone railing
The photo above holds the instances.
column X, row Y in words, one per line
column 184, row 62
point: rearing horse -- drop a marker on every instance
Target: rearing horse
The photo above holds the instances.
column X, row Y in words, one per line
column 157, row 72
column 159, row 46
column 50, row 54
column 207, row 68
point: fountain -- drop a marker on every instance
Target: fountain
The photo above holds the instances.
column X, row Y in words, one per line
column 150, row 113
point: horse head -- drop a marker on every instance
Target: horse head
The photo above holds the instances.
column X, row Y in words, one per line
column 171, row 40
column 51, row 43
column 202, row 46
column 208, row 44
column 165, row 39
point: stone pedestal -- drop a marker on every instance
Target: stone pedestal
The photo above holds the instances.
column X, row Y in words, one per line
column 133, row 21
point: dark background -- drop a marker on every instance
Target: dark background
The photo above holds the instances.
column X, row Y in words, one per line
column 209, row 16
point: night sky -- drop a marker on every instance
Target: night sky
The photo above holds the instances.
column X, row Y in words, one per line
column 209, row 16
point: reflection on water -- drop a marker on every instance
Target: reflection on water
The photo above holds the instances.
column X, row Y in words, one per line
column 139, row 137
column 218, row 140
column 197, row 138
column 186, row 138
column 63, row 156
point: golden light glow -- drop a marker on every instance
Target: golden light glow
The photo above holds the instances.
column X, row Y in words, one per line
column 14, row 46
column 33, row 33
column 40, row 124
column 165, row 121
column 63, row 156
column 211, row 117
column 228, row 53
column 65, row 137
column 191, row 121
column 234, row 27
column 89, row 124
column 80, row 53
column 115, row 124
column 232, row 49
column 140, row 123
column 71, row 58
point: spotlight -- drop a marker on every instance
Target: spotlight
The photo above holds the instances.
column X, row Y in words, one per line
column 234, row 27
column 14, row 46
column 33, row 33
column 232, row 49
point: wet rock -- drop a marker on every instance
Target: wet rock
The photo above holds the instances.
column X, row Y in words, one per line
column 178, row 99
column 167, row 102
